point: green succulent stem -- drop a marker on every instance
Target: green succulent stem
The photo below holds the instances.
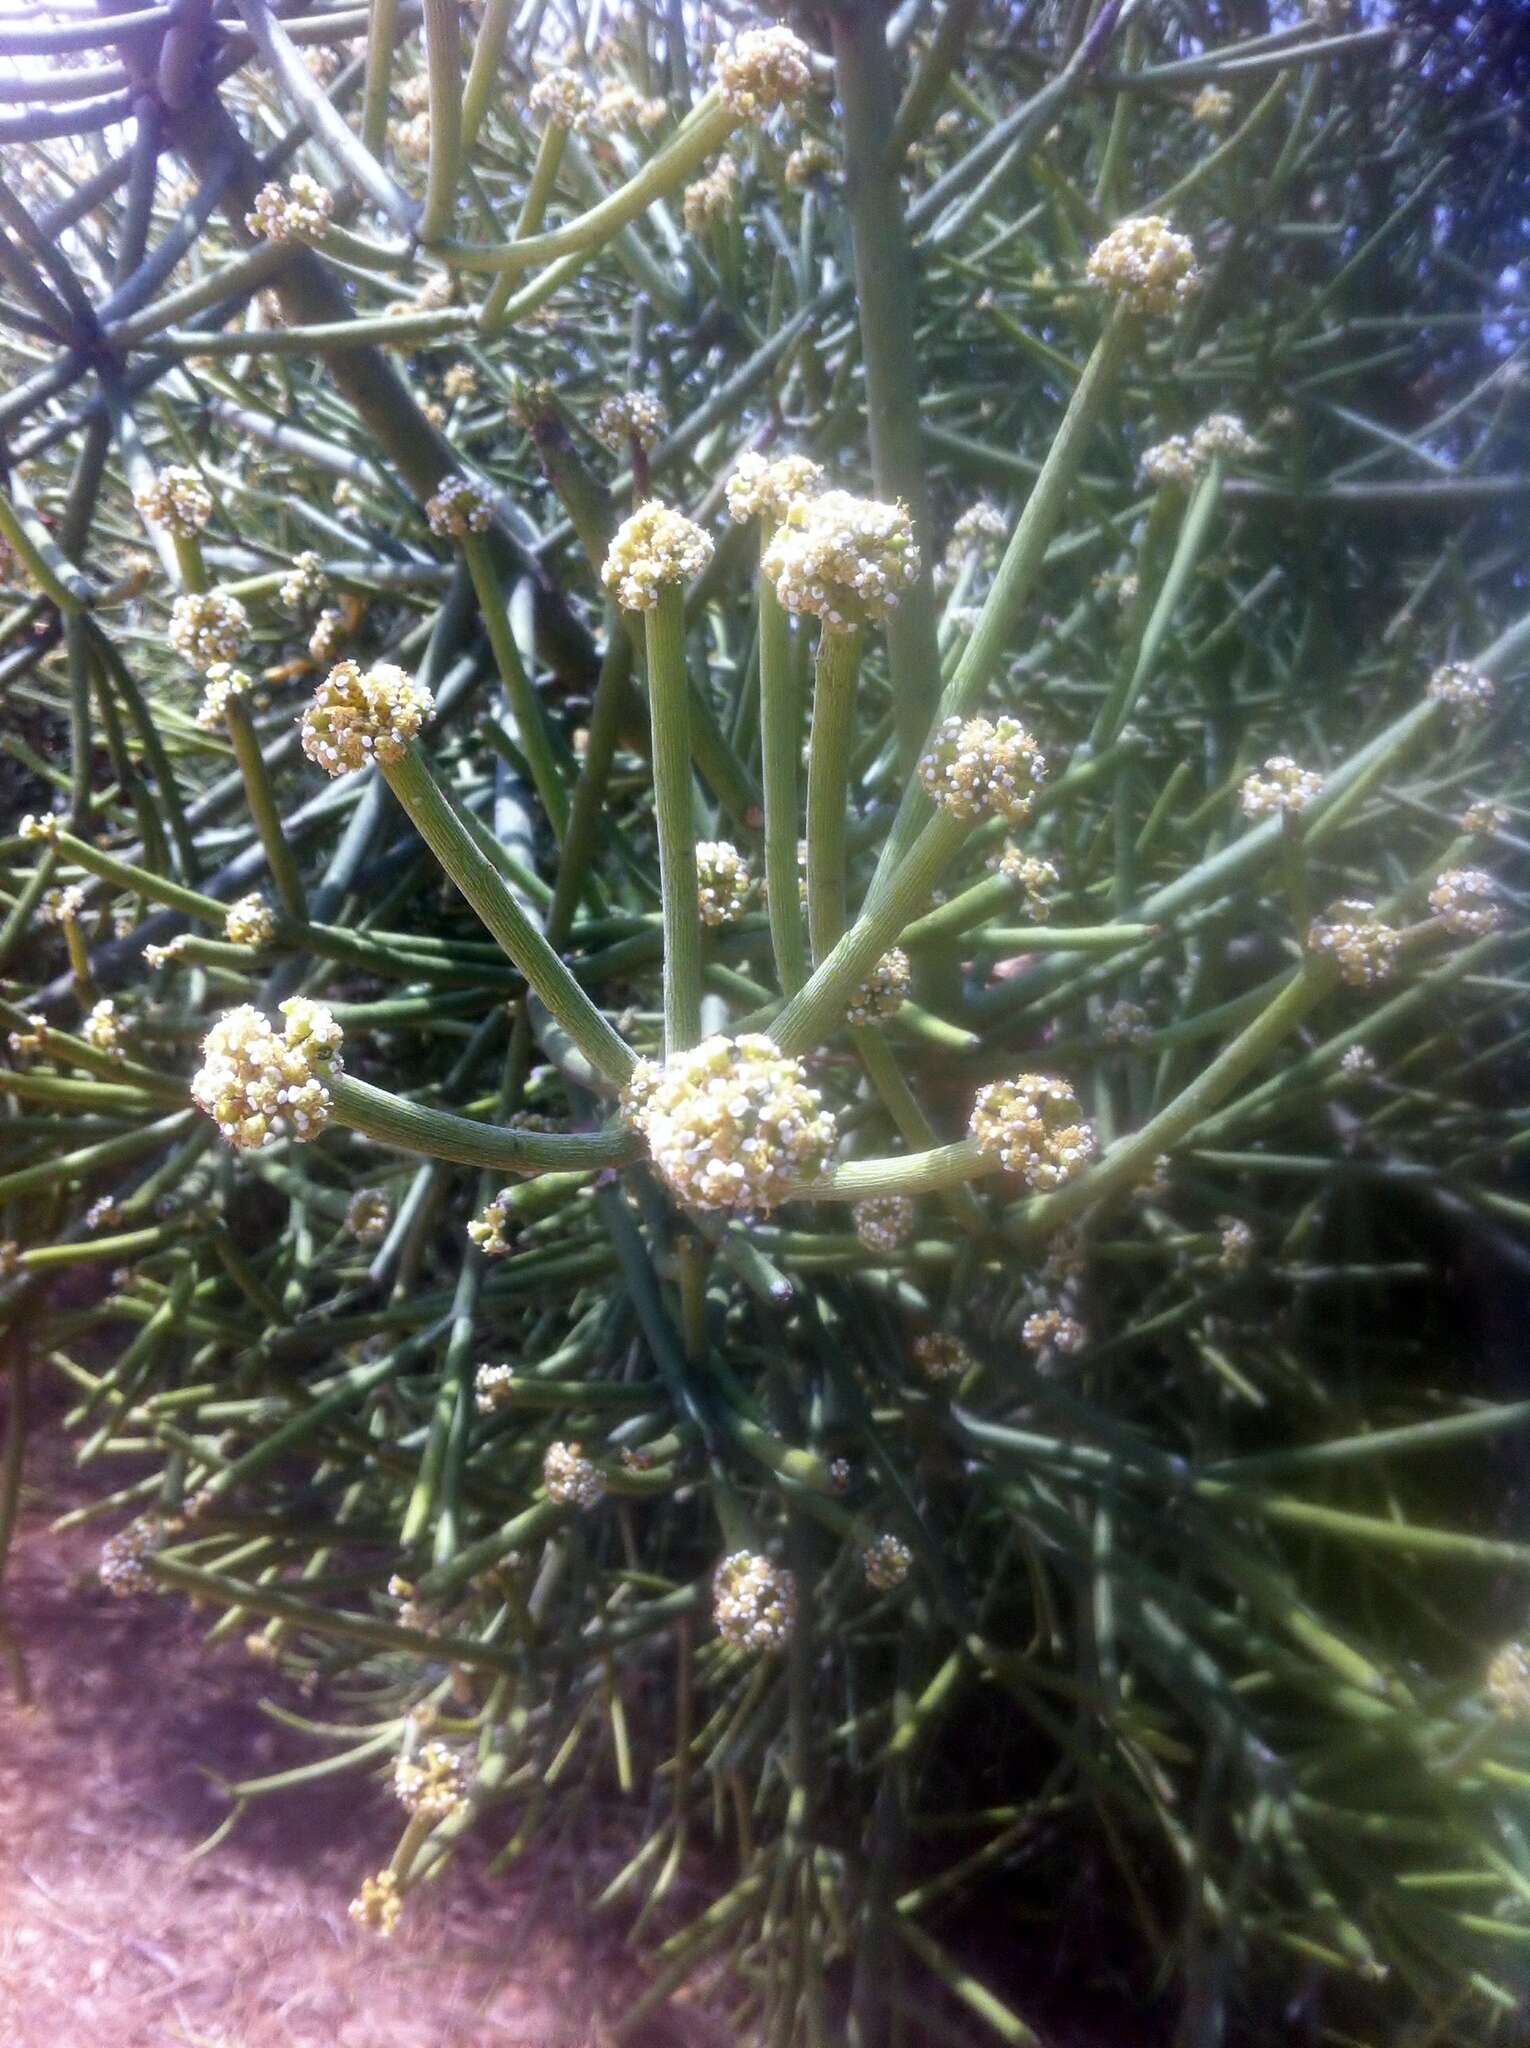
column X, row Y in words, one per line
column 411, row 781
column 264, row 810
column 828, row 795
column 532, row 730
column 780, row 753
column 670, row 713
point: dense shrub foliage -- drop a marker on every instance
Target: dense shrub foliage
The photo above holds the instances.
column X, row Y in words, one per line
column 761, row 927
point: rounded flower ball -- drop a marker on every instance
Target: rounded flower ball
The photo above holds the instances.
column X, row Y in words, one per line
column 1465, row 900
column 564, row 101
column 983, row 768
column 207, row 627
column 358, row 716
column 723, row 881
column 571, row 1479
column 1145, row 264
column 178, row 501
column 630, row 416
column 732, row 1124
column 1034, row 1126
column 461, row 505
column 759, row 489
column 846, row 560
column 754, row 1602
column 884, row 1223
column 762, row 69
column 1351, row 934
column 655, row 548
column 1282, row 790
column 259, row 1082
column 299, row 211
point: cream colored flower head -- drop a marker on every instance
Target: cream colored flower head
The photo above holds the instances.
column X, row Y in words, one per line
column 360, row 716
column 208, row 627
column 1144, row 263
column 1465, row 690
column 1034, row 1126
column 571, row 1479
column 1213, row 105
column 304, row 583
column 733, row 1124
column 1223, row 433
column 461, row 505
column 710, row 198
column 655, row 548
column 983, row 768
column 250, row 922
column 299, row 211
column 762, row 69
column 178, row 501
column 379, row 1905
column 629, row 416
column 367, row 1215
column 1172, row 462
column 884, row 1223
column 754, row 1602
column 564, row 101
column 940, row 1356
column 223, row 681
column 884, row 991
column 847, row 560
column 260, row 1082
column 1352, row 934
column 1037, row 879
column 432, row 1785
column 1465, row 900
column 106, row 1029
column 887, row 1562
column 1049, row 1329
column 759, row 489
column 1280, row 790
column 812, row 158
column 724, row 883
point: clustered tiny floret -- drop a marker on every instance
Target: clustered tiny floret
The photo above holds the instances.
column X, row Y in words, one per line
column 759, row 489
column 883, row 1223
column 847, row 560
column 259, row 1083
column 208, row 627
column 940, row 1356
column 1351, row 934
column 250, row 921
column 461, row 505
column 1281, row 790
column 724, row 883
column 572, row 1480
column 367, row 1215
column 178, row 500
column 732, row 1124
column 358, row 716
column 563, row 99
column 299, row 211
column 884, row 991
column 630, row 416
column 433, row 1784
column 1049, row 1329
column 886, row 1561
column 654, row 549
column 983, row 767
column 1034, row 877
column 1465, row 900
column 754, row 1602
column 223, row 681
column 1465, row 690
column 762, row 69
column 1034, row 1126
column 1146, row 264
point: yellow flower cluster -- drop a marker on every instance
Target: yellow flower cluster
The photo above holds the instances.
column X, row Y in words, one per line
column 710, row 198
column 1465, row 690
column 207, row 627
column 178, row 501
column 1281, row 790
column 883, row 1223
column 629, row 416
column 982, row 767
column 732, row 1124
column 461, row 505
column 489, row 1229
column 1049, row 1329
column 654, row 548
column 250, row 922
column 759, row 489
column 379, row 1905
column 1034, row 877
column 304, row 583
column 762, row 69
column 754, row 1602
column 105, row 1030
column 223, row 681
column 1213, row 105
column 1033, row 1126
column 571, row 1479
column 358, row 716
column 1465, row 900
column 564, row 101
column 298, row 211
column 1144, row 263
column 367, row 1215
column 259, row 1084
column 887, row 1562
column 1236, row 1246
column 433, row 1785
column 724, row 882
column 847, row 560
column 940, row 1356
column 812, row 158
column 1353, row 935
column 621, row 104
column 981, row 528
column 884, row 991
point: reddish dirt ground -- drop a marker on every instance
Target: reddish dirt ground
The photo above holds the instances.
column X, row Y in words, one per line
column 111, row 1937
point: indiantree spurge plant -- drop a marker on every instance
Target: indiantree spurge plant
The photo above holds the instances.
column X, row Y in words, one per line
column 761, row 927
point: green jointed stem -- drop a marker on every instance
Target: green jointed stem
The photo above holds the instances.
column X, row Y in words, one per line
column 443, row 30
column 828, row 797
column 382, row 28
column 532, row 730
column 780, row 753
column 410, row 779
column 670, row 711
